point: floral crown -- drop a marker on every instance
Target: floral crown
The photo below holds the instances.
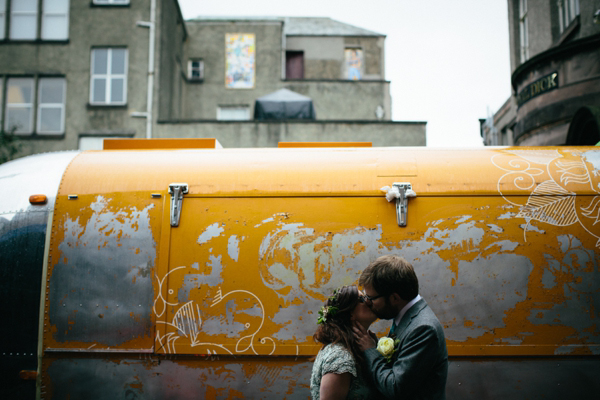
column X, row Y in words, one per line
column 328, row 311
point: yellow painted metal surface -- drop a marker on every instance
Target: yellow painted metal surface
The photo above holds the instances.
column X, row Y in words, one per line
column 324, row 172
column 324, row 144
column 504, row 241
column 150, row 144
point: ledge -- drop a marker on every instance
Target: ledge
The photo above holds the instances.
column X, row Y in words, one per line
column 293, row 121
column 560, row 51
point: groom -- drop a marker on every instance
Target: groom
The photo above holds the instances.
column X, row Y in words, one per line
column 418, row 366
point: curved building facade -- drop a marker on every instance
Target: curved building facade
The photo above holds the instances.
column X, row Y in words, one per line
column 555, row 64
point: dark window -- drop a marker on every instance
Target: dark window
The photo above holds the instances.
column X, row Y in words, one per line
column 294, row 65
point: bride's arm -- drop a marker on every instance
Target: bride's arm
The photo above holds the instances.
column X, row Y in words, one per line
column 335, row 386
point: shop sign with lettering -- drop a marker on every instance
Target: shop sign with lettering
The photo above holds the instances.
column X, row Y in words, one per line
column 541, row 86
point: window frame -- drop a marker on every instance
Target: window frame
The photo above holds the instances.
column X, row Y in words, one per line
column 111, row 2
column 45, row 14
column 35, row 13
column 568, row 10
column 191, row 69
column 41, row 105
column 35, row 106
column 8, row 106
column 3, row 20
column 523, row 30
column 221, row 108
column 108, row 76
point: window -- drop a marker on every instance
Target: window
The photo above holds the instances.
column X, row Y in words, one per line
column 24, row 23
column 23, row 19
column 2, row 18
column 294, row 65
column 111, row 2
column 51, row 105
column 195, row 70
column 19, row 105
column 55, row 20
column 20, row 100
column 233, row 113
column 523, row 28
column 108, row 84
column 567, row 11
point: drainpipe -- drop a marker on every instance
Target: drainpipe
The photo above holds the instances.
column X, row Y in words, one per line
column 152, row 26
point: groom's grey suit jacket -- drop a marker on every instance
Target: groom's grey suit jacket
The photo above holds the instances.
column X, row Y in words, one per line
column 419, row 366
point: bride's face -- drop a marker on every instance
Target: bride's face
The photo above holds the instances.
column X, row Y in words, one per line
column 363, row 313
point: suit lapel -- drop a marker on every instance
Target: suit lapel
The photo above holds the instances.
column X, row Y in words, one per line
column 410, row 314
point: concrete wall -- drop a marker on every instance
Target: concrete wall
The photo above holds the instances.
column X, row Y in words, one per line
column 268, row 134
column 172, row 65
column 324, row 55
column 346, row 99
column 206, row 40
column 333, row 96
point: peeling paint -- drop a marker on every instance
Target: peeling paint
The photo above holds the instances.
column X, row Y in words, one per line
column 233, row 247
column 211, row 231
column 97, row 271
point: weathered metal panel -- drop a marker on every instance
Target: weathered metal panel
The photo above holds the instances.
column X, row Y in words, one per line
column 180, row 378
column 103, row 252
column 214, row 378
column 22, row 236
column 531, row 379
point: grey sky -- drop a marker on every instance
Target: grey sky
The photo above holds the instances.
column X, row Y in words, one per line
column 448, row 61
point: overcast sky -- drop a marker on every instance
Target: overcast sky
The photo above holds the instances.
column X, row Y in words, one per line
column 448, row 61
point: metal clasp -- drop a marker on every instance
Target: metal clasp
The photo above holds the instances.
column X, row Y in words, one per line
column 405, row 191
column 177, row 190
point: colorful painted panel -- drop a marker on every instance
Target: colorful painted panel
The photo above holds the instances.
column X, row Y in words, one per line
column 354, row 64
column 240, row 60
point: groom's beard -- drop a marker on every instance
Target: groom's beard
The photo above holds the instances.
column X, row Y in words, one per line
column 386, row 312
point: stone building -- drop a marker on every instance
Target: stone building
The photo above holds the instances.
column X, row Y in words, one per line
column 73, row 73
column 555, row 64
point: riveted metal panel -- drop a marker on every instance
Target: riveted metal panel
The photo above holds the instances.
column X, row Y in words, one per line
column 100, row 289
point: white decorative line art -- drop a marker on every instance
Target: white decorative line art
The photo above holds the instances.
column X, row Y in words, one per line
column 263, row 340
column 187, row 322
column 551, row 186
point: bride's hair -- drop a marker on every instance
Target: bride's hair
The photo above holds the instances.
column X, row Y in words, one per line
column 336, row 327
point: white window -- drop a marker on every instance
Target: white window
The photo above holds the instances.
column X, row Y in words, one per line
column 108, row 84
column 2, row 18
column 524, row 30
column 195, row 70
column 92, row 142
column 1, row 97
column 55, row 19
column 567, row 11
column 19, row 105
column 23, row 19
column 102, row 2
column 233, row 113
column 51, row 105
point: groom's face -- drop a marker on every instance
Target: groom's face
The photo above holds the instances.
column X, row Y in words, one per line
column 380, row 305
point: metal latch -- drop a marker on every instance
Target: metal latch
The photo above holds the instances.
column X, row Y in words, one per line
column 405, row 190
column 177, row 190
column 400, row 191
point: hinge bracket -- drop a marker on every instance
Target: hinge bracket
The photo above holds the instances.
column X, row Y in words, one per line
column 177, row 190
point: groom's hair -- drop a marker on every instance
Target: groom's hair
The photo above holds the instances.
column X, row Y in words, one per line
column 391, row 274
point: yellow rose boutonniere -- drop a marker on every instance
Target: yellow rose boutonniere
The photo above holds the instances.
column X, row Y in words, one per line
column 387, row 347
